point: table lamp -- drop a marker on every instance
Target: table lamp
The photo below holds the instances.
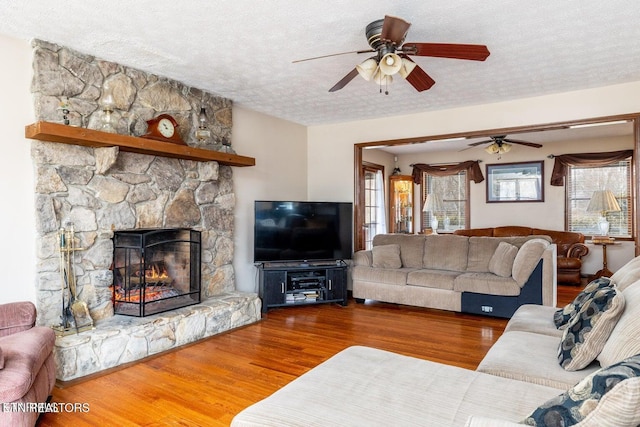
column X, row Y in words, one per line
column 433, row 204
column 603, row 201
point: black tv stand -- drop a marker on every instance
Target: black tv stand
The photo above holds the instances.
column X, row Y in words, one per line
column 286, row 284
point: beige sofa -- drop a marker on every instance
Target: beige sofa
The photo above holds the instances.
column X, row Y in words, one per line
column 472, row 274
column 520, row 377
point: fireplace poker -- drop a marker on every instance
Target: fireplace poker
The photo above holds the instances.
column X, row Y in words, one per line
column 79, row 308
column 68, row 320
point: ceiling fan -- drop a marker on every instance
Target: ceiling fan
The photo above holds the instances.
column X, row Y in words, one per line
column 386, row 37
column 501, row 144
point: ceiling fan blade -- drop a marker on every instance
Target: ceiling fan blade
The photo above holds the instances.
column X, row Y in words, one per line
column 394, row 29
column 343, row 82
column 473, row 144
column 420, row 80
column 517, row 141
column 332, row 54
column 474, row 52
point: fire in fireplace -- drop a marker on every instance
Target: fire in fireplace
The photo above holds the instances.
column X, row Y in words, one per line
column 155, row 270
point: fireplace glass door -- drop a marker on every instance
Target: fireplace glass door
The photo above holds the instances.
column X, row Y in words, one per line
column 155, row 270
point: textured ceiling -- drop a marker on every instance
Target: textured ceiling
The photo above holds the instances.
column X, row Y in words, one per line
column 243, row 49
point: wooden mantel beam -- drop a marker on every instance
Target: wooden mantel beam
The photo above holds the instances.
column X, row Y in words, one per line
column 56, row 132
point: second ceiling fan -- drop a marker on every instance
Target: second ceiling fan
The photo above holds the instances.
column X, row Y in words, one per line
column 386, row 38
column 501, row 144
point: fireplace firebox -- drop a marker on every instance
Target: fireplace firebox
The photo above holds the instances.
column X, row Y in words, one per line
column 155, row 270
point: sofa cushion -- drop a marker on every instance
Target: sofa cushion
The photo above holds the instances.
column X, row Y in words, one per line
column 606, row 395
column 486, row 283
column 534, row 318
column 1, row 359
column 446, row 252
column 411, row 247
column 388, row 276
column 501, row 263
column 440, row 279
column 628, row 274
column 624, row 340
column 369, row 387
column 481, row 249
column 589, row 329
column 527, row 259
column 561, row 317
column 386, row 256
column 530, row 357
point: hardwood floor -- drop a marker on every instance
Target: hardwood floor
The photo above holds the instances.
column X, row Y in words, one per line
column 207, row 383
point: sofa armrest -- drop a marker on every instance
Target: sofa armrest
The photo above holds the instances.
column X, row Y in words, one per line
column 479, row 421
column 16, row 317
column 577, row 250
column 364, row 257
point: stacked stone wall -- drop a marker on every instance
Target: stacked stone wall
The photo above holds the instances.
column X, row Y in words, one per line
column 102, row 190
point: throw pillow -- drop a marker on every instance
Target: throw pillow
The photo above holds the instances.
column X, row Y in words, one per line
column 587, row 332
column 501, row 263
column 386, row 256
column 527, row 259
column 627, row 275
column 561, row 317
column 608, row 394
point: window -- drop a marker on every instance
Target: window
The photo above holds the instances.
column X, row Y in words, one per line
column 583, row 181
column 374, row 207
column 453, row 189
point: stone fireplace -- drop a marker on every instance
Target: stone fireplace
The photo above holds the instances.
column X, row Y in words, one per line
column 101, row 190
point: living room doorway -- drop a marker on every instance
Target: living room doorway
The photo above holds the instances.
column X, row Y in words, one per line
column 587, row 128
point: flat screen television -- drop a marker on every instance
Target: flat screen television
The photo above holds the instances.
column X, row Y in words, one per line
column 302, row 231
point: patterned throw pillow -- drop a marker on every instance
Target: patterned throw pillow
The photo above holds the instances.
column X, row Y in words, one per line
column 587, row 332
column 607, row 394
column 561, row 317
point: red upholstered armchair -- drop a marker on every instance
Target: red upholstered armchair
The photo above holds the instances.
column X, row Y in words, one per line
column 570, row 247
column 27, row 367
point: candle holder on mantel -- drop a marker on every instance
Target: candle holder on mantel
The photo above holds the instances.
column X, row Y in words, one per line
column 108, row 105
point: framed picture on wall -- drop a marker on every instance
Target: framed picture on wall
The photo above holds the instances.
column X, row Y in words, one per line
column 515, row 182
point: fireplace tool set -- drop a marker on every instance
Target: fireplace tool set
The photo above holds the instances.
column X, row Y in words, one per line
column 75, row 313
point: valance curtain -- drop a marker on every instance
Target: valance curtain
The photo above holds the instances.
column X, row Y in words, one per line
column 471, row 166
column 584, row 159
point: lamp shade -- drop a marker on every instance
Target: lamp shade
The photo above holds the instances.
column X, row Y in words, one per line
column 367, row 68
column 433, row 203
column 390, row 64
column 407, row 67
column 603, row 201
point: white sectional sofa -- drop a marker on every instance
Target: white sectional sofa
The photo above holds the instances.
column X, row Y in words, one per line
column 520, row 376
column 471, row 274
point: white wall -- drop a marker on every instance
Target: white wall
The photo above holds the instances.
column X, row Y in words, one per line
column 17, row 218
column 280, row 173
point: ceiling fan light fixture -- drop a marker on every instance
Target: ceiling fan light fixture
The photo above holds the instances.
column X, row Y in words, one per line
column 496, row 148
column 492, row 148
column 390, row 64
column 367, row 68
column 407, row 67
column 381, row 78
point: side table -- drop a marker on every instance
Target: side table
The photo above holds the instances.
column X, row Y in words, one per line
column 604, row 272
